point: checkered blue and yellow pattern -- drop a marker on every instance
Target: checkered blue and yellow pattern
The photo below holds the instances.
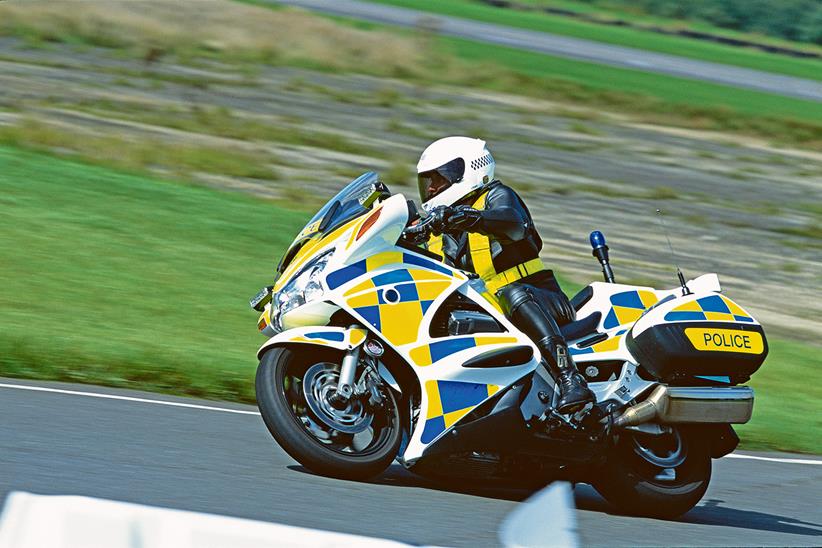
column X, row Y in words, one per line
column 712, row 308
column 348, row 273
column 428, row 354
column 449, row 401
column 330, row 337
column 394, row 301
column 628, row 306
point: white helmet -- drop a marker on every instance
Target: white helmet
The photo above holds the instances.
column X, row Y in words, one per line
column 452, row 168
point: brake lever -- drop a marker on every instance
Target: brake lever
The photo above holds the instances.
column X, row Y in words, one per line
column 419, row 228
column 418, row 234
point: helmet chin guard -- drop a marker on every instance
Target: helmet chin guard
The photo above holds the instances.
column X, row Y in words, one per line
column 440, row 182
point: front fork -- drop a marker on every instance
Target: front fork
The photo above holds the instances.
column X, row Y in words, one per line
column 348, row 375
column 375, row 374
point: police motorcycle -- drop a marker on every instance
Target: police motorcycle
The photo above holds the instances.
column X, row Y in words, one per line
column 379, row 351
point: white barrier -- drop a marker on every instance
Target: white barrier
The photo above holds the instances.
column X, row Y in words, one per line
column 37, row 521
column 41, row 521
column 546, row 519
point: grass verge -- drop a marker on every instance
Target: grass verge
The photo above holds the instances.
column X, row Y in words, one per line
column 633, row 90
column 106, row 149
column 646, row 17
column 156, row 31
column 118, row 279
column 647, row 97
column 787, row 413
column 623, row 36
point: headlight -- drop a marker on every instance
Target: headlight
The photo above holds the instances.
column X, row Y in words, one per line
column 304, row 287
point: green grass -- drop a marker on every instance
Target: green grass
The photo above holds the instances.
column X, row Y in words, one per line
column 623, row 36
column 650, row 97
column 118, row 279
column 181, row 159
column 344, row 46
column 645, row 17
column 630, row 85
column 223, row 122
column 787, row 413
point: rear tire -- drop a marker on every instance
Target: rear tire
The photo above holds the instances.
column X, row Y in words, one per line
column 278, row 377
column 635, row 485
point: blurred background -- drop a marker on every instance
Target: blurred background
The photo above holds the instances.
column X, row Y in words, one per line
column 156, row 157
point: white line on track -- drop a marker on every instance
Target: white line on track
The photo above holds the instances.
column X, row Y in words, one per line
column 773, row 459
column 243, row 412
column 126, row 398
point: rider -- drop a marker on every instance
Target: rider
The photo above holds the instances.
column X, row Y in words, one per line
column 483, row 226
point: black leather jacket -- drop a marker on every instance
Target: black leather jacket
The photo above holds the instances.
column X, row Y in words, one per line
column 507, row 223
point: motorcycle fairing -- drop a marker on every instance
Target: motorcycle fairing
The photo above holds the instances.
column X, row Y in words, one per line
column 628, row 306
column 707, row 306
column 448, row 402
column 620, row 305
column 310, row 248
column 339, row 338
column 395, row 292
column 630, row 311
column 623, row 305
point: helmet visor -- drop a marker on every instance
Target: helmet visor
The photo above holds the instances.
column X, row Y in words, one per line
column 434, row 181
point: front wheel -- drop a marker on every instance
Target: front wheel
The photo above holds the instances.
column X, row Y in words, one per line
column 660, row 476
column 357, row 442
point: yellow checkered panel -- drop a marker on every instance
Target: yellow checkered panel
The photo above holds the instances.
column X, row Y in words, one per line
column 395, row 301
column 428, row 354
column 711, row 308
column 628, row 306
column 449, row 401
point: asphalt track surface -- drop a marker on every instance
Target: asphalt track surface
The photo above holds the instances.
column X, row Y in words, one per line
column 208, row 459
column 574, row 48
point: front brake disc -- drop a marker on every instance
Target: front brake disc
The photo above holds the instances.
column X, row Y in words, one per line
column 319, row 383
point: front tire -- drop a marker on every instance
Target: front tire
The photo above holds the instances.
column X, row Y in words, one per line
column 305, row 436
column 663, row 477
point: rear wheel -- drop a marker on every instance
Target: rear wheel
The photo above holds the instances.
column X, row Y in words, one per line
column 656, row 475
column 356, row 442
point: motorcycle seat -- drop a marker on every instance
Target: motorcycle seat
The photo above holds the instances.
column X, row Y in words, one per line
column 580, row 328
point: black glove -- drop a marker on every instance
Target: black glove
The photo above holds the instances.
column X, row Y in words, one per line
column 463, row 218
column 454, row 219
column 415, row 238
column 439, row 219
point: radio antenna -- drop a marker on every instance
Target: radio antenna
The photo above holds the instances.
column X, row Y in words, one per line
column 685, row 290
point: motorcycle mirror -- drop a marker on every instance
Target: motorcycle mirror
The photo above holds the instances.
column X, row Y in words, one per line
column 377, row 191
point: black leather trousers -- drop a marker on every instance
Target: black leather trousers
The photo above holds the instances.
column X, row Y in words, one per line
column 537, row 306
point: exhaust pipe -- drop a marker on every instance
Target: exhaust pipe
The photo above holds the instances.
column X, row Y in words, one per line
column 672, row 405
column 646, row 411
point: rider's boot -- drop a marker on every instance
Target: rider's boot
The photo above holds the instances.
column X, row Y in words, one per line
column 574, row 393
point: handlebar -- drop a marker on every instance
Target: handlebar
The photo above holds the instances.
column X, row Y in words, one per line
column 420, row 228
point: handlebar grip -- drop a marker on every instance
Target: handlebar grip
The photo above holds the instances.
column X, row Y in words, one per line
column 419, row 228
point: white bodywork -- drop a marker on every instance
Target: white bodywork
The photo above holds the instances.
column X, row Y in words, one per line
column 380, row 242
column 394, row 293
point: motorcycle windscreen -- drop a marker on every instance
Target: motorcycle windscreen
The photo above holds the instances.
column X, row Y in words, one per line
column 351, row 202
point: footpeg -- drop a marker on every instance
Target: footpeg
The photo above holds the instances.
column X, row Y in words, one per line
column 563, row 419
column 553, row 419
